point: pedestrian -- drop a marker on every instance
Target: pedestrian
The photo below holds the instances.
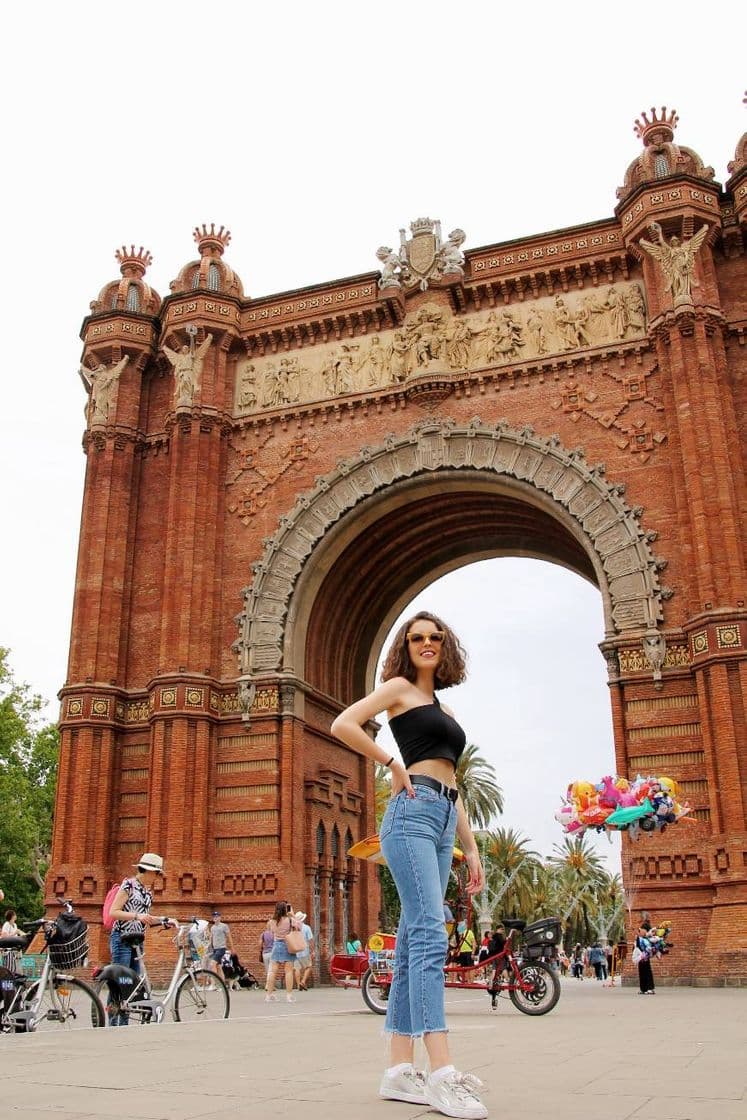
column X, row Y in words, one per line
column 130, row 912
column 304, row 961
column 417, row 840
column 281, row 924
column 644, row 952
column 577, row 962
column 466, row 945
column 10, row 928
column 220, row 941
column 353, row 944
column 266, row 941
column 596, row 956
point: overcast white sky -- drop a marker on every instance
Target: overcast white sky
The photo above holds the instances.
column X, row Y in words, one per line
column 314, row 131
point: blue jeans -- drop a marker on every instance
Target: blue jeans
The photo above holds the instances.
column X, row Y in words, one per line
column 121, row 954
column 417, row 839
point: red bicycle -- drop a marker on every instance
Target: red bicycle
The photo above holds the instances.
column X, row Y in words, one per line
column 526, row 973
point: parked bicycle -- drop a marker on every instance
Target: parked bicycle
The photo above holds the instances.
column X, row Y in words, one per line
column 193, row 993
column 56, row 998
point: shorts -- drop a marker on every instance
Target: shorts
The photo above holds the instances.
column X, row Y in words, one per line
column 303, row 960
column 217, row 955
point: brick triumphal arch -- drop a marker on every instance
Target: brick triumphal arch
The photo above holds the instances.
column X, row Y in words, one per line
column 270, row 480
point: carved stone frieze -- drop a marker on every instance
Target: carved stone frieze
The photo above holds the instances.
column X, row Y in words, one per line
column 432, row 339
column 611, row 528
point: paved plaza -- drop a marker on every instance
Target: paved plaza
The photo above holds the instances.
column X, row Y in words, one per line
column 602, row 1054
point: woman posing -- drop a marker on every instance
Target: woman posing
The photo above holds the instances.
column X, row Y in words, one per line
column 280, row 925
column 417, row 839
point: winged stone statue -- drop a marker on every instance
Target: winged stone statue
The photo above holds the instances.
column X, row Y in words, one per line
column 677, row 260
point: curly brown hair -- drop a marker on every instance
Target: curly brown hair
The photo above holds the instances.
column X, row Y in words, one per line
column 452, row 668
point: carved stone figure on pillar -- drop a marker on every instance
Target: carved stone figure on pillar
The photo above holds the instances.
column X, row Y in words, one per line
column 677, row 261
column 655, row 649
column 187, row 365
column 102, row 383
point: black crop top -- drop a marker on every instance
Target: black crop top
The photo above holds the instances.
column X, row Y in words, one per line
column 427, row 732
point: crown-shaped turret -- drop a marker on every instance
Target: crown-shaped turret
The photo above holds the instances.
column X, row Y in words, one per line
column 210, row 271
column 737, row 182
column 211, row 242
column 130, row 293
column 661, row 158
column 660, row 129
column 132, row 263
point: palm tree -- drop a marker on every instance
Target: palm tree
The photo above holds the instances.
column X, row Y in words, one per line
column 579, row 877
column 481, row 795
column 512, row 872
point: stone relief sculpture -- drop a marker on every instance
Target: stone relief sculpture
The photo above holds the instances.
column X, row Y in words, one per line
column 432, row 338
column 187, row 365
column 247, row 387
column 102, row 383
column 677, row 261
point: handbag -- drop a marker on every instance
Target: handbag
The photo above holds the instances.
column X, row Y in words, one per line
column 637, row 955
column 295, row 942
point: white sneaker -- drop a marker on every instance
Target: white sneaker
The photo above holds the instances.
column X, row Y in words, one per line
column 407, row 1085
column 456, row 1095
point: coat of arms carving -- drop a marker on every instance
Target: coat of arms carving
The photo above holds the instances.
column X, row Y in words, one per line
column 423, row 257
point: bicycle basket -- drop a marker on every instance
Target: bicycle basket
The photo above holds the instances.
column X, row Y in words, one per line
column 69, row 954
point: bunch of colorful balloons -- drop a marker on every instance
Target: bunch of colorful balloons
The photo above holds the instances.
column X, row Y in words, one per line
column 643, row 804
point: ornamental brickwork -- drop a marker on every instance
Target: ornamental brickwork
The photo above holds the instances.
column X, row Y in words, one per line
column 269, row 480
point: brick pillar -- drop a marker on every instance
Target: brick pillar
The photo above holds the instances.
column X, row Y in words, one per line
column 91, row 697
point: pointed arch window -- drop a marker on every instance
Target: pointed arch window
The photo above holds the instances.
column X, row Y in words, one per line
column 321, row 839
column 213, row 278
column 196, row 278
column 133, row 298
column 335, row 844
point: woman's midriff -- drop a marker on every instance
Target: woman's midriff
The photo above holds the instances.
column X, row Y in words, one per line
column 439, row 768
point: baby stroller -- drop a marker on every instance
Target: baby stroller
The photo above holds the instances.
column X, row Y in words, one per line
column 235, row 973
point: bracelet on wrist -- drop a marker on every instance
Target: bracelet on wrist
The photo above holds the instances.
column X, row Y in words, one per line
column 389, row 761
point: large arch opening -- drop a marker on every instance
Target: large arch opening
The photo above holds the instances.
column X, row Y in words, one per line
column 397, row 544
column 535, row 701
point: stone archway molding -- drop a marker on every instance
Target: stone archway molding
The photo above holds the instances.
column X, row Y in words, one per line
column 610, row 528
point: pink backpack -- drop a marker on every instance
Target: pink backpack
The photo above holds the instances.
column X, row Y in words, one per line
column 108, row 903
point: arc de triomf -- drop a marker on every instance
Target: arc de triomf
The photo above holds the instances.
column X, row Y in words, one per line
column 269, row 481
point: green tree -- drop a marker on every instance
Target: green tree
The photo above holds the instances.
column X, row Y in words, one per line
column 29, row 751
column 512, row 871
column 481, row 795
column 579, row 877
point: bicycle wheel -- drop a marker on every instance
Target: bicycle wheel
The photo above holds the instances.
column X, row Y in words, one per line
column 375, row 993
column 67, row 1003
column 544, row 993
column 201, row 995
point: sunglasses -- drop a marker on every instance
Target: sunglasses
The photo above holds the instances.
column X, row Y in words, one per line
column 435, row 638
